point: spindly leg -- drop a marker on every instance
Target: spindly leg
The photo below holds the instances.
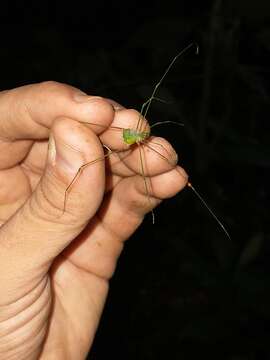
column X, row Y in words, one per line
column 145, row 181
column 145, row 107
column 147, row 104
column 209, row 209
column 193, row 189
column 80, row 170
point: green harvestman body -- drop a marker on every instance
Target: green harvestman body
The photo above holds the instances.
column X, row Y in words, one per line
column 139, row 137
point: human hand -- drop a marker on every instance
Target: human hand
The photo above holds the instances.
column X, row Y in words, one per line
column 55, row 265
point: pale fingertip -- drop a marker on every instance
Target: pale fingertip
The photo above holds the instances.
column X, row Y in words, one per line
column 182, row 172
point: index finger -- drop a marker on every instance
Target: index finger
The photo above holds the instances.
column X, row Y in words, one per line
column 27, row 114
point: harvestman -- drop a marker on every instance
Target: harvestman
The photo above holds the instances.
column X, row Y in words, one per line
column 139, row 137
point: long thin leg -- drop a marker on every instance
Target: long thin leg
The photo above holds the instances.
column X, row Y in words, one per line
column 209, row 209
column 152, row 97
column 157, row 152
column 145, row 182
column 195, row 192
column 80, row 170
column 147, row 104
column 102, row 126
column 163, row 147
column 166, row 122
column 138, row 126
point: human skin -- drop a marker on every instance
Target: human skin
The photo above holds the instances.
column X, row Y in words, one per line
column 55, row 265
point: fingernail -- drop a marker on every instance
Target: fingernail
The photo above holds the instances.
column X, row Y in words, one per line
column 81, row 97
column 51, row 150
column 176, row 157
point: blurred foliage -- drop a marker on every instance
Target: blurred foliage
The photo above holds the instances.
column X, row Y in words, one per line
column 181, row 289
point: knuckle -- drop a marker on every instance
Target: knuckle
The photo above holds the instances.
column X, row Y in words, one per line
column 50, row 85
column 52, row 88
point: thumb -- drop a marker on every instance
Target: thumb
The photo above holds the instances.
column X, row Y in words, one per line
column 42, row 228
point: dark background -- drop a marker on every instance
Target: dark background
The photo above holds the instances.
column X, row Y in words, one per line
column 182, row 289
